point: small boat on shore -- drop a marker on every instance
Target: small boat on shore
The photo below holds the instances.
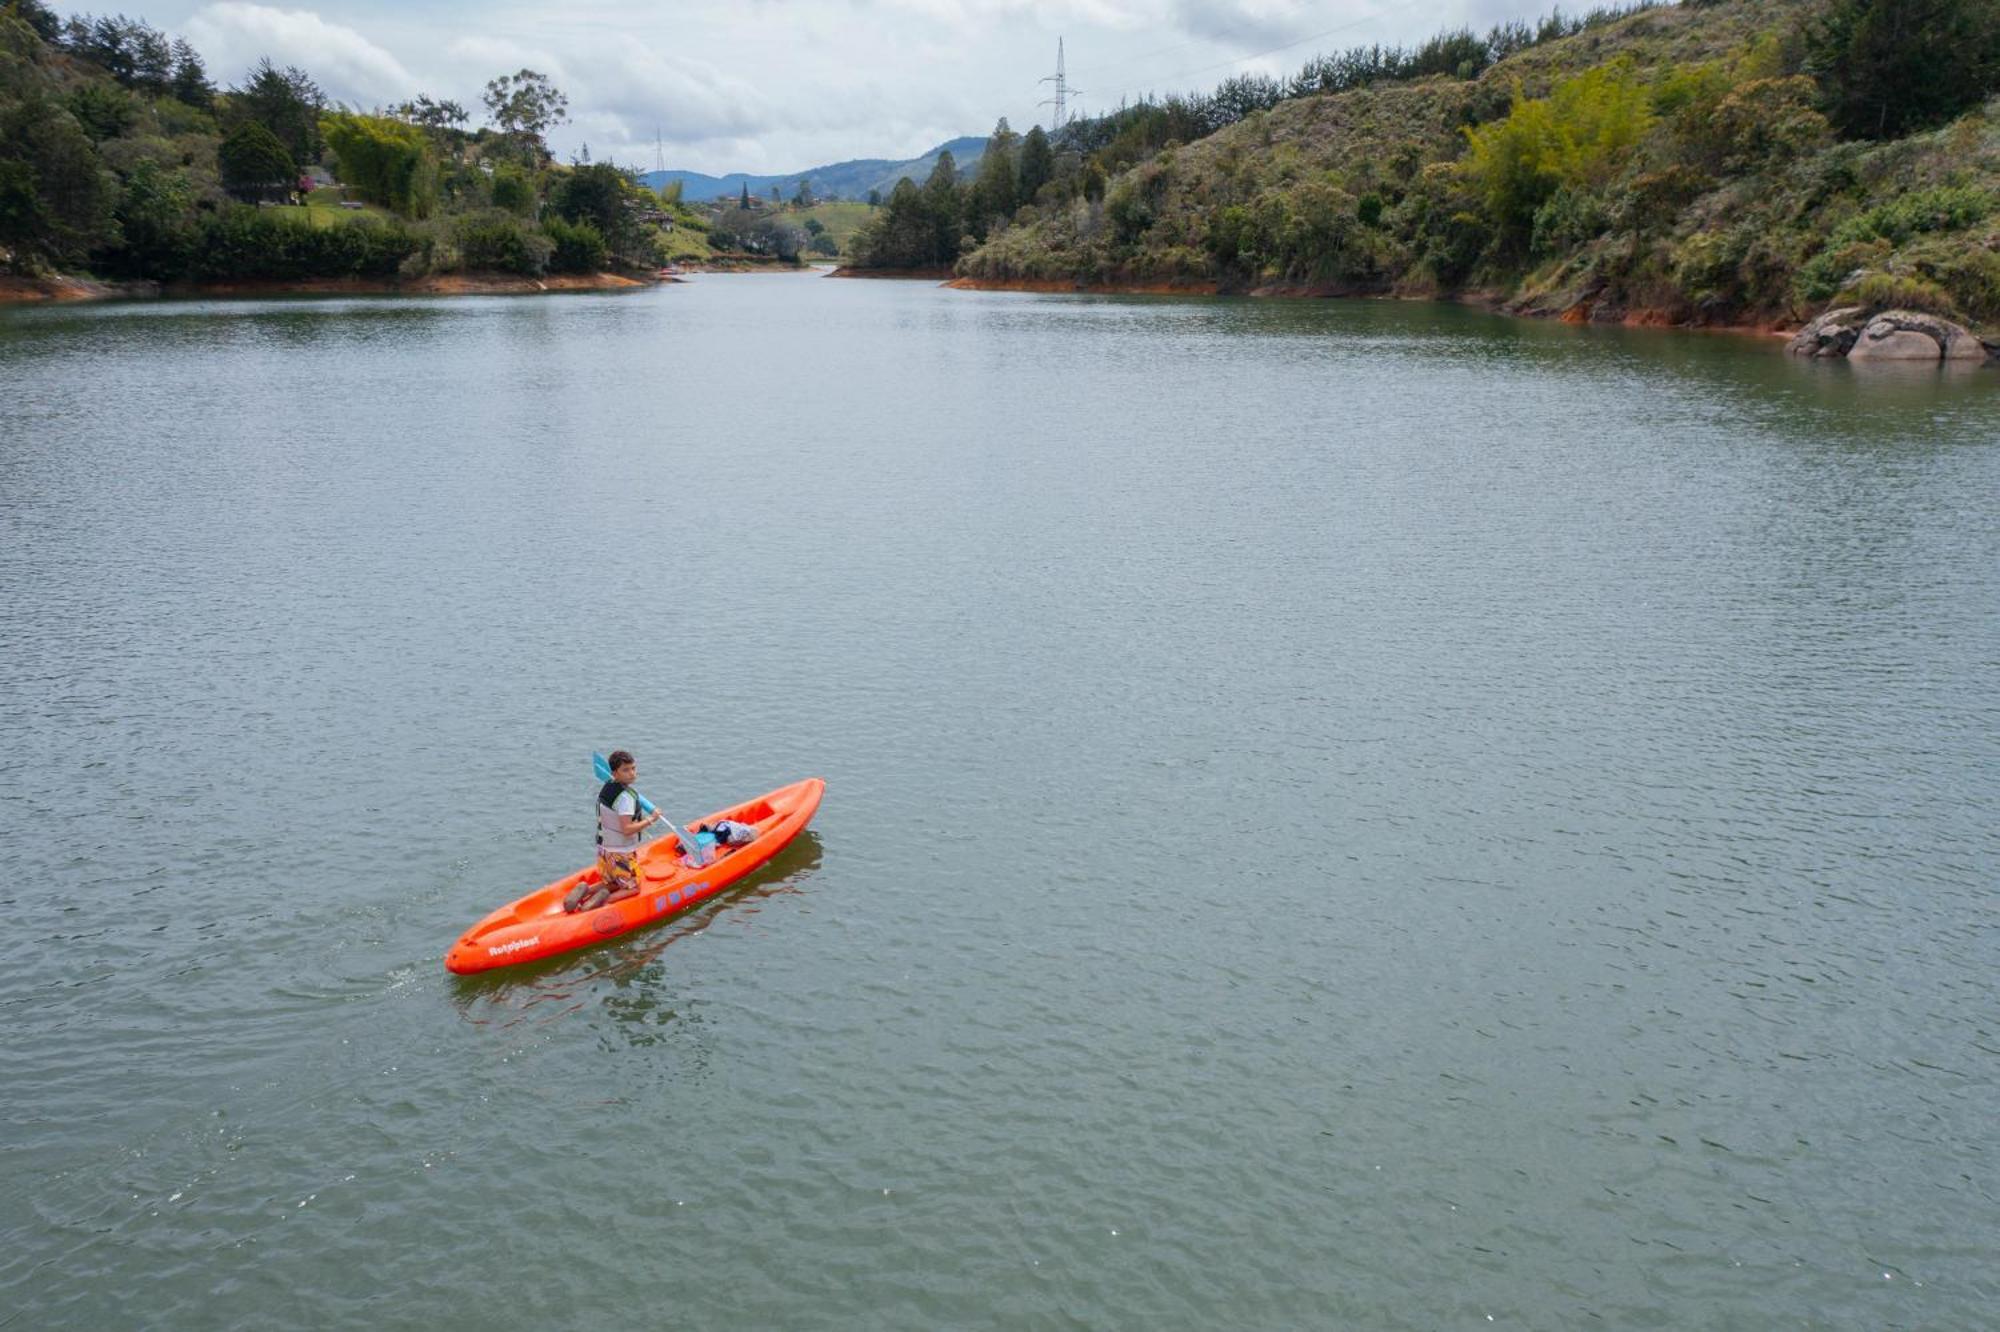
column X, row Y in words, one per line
column 536, row 926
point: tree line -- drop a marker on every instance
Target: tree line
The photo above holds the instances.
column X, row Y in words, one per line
column 1767, row 178
column 120, row 156
column 931, row 225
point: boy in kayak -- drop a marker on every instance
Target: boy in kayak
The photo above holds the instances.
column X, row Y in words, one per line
column 619, row 824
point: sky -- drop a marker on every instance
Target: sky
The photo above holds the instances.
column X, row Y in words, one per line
column 767, row 87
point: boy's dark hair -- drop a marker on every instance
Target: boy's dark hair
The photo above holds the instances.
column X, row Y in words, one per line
column 619, row 758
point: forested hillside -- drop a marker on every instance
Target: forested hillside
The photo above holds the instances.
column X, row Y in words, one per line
column 121, row 159
column 1726, row 162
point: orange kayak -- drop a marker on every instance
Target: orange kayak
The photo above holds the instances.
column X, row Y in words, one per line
column 537, row 927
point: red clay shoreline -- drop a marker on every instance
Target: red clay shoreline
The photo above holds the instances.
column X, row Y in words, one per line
column 1583, row 312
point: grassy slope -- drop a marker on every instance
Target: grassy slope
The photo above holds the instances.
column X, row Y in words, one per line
column 841, row 220
column 1733, row 253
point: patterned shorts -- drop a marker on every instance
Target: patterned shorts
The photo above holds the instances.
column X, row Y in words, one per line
column 619, row 869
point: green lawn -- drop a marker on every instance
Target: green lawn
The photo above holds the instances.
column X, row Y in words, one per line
column 841, row 220
column 322, row 209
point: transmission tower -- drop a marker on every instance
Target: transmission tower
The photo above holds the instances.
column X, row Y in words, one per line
column 1063, row 91
column 659, row 153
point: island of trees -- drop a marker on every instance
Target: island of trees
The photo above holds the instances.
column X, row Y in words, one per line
column 1715, row 161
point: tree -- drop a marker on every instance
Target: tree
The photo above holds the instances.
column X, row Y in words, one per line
column 388, row 161
column 437, row 117
column 874, row 198
column 1890, row 67
column 743, row 202
column 134, row 53
column 1038, row 164
column 37, row 16
column 156, row 220
column 599, row 194
column 190, row 82
column 104, row 110
column 254, row 164
column 525, row 107
column 942, row 207
column 55, row 195
column 994, row 191
column 285, row 102
column 803, row 195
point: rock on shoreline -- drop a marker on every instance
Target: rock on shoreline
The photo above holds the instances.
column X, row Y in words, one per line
column 1860, row 334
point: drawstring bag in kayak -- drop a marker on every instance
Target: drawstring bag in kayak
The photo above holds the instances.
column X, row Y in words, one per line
column 731, row 833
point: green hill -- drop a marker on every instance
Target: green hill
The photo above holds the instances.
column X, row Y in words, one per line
column 1682, row 164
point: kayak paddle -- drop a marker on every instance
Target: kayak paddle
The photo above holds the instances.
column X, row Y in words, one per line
column 687, row 841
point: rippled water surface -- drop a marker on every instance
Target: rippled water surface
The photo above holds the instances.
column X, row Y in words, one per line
column 1337, row 815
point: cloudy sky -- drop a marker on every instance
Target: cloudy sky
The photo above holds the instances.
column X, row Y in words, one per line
column 762, row 86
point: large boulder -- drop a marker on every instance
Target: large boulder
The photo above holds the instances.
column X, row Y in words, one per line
column 1884, row 340
column 1832, row 334
column 1887, row 335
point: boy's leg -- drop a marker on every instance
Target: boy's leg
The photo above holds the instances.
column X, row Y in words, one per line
column 621, row 876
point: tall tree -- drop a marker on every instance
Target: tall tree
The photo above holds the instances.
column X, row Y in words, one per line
column 1890, row 67
column 525, row 107
column 943, row 210
column 994, row 189
column 190, row 81
column 1038, row 164
column 287, row 103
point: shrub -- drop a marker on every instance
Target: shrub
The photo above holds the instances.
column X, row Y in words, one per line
column 253, row 244
column 1947, row 208
column 513, row 189
column 497, row 240
column 1869, row 239
column 1893, row 291
column 578, row 246
column 1971, row 275
column 1571, row 218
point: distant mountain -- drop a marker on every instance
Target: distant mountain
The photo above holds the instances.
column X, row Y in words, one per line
column 844, row 180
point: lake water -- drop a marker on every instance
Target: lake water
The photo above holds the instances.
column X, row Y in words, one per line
column 1338, row 815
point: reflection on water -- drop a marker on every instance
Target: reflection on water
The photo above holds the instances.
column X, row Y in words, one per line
column 631, row 964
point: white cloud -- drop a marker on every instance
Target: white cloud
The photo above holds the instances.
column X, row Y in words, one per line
column 774, row 86
column 233, row 36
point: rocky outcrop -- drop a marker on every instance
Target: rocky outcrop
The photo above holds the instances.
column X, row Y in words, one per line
column 1860, row 334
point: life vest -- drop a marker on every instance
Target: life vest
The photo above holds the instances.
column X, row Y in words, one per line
column 607, row 799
